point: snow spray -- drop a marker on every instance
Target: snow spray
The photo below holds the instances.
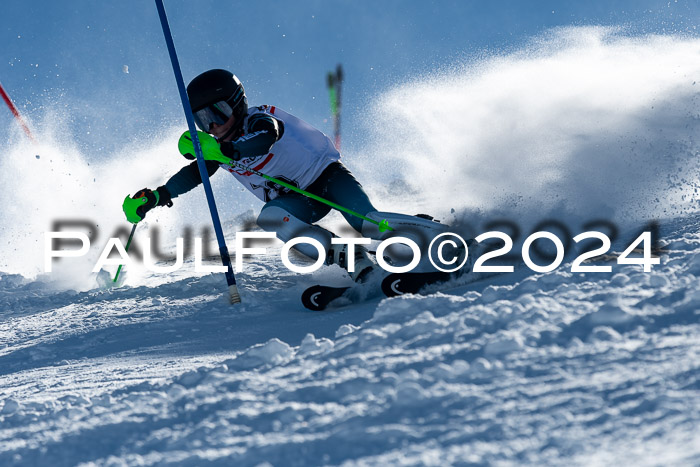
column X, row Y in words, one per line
column 583, row 124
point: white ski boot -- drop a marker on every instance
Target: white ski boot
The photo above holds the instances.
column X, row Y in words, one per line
column 338, row 254
column 422, row 229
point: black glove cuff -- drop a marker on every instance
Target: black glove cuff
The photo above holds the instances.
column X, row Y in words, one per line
column 164, row 198
column 229, row 149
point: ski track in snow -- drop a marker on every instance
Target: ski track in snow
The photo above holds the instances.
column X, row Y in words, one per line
column 555, row 368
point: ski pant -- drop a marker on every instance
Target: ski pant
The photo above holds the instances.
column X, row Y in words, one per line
column 293, row 215
column 335, row 184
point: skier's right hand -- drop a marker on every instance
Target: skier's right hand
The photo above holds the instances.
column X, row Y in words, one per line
column 144, row 200
column 209, row 145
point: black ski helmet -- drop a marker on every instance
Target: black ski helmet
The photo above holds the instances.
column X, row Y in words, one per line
column 212, row 87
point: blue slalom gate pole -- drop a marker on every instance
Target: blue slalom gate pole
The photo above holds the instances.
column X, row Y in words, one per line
column 225, row 258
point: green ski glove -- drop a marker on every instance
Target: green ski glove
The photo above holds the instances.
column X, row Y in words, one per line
column 210, row 147
column 143, row 201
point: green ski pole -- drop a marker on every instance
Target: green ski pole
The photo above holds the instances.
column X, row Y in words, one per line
column 332, row 97
column 128, row 242
column 211, row 151
column 334, row 82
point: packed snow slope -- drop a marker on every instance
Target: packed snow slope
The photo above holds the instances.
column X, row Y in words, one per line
column 557, row 368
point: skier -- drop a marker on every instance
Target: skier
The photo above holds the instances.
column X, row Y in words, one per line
column 275, row 142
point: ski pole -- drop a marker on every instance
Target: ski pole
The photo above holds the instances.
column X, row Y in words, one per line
column 214, row 153
column 332, row 97
column 383, row 224
column 234, row 296
column 128, row 242
column 338, row 84
column 334, row 82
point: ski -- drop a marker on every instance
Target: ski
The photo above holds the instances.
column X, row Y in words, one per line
column 412, row 282
column 318, row 297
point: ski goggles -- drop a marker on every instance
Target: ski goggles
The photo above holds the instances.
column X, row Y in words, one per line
column 218, row 112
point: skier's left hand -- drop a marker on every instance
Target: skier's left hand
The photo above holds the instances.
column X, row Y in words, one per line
column 230, row 149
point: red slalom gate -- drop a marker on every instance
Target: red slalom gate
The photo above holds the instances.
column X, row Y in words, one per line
column 16, row 113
